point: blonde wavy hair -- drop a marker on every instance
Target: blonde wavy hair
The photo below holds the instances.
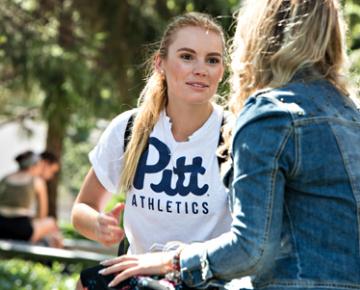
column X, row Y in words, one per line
column 276, row 38
column 153, row 97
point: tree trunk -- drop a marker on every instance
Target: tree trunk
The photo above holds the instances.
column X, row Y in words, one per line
column 55, row 136
column 57, row 118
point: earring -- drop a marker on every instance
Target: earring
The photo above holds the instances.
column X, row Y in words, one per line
column 162, row 74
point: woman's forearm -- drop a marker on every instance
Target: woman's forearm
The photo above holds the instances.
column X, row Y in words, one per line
column 84, row 219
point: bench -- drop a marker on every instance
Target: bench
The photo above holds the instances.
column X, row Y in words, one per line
column 89, row 246
column 24, row 250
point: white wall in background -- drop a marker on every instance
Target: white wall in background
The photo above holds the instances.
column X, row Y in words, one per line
column 13, row 141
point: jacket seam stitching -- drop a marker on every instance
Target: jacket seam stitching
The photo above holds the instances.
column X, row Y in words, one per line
column 344, row 160
column 270, row 206
column 294, row 241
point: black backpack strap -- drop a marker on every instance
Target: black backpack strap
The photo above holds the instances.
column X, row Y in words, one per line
column 128, row 129
column 123, row 247
column 225, row 154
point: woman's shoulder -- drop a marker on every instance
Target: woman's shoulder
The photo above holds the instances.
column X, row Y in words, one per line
column 39, row 184
column 122, row 119
column 268, row 104
column 18, row 179
column 224, row 116
column 272, row 101
column 218, row 109
column 117, row 125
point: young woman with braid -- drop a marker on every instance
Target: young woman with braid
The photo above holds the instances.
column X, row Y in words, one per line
column 169, row 169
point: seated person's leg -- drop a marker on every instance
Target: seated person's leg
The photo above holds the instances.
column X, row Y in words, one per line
column 46, row 227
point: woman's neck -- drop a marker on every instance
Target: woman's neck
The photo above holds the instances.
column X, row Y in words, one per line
column 186, row 120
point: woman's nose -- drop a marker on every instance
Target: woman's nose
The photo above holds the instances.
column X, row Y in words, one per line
column 200, row 69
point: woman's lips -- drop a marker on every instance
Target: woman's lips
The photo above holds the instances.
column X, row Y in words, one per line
column 198, row 85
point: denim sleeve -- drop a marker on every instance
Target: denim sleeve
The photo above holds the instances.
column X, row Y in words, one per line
column 264, row 155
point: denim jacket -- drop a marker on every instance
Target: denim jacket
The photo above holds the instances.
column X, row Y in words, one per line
column 295, row 195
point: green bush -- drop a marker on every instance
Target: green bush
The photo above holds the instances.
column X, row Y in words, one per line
column 69, row 232
column 18, row 274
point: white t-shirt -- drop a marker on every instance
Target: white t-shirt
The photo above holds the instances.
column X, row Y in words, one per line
column 177, row 193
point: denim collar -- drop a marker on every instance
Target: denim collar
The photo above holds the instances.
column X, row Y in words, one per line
column 306, row 74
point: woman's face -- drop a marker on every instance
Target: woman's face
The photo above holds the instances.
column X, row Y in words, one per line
column 49, row 170
column 193, row 67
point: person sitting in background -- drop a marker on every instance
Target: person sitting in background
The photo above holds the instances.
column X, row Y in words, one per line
column 18, row 193
column 49, row 167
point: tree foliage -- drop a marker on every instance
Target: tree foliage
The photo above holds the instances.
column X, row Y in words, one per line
column 352, row 10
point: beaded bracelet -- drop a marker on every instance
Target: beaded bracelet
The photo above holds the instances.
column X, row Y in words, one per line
column 175, row 275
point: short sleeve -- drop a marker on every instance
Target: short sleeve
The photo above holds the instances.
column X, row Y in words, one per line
column 107, row 156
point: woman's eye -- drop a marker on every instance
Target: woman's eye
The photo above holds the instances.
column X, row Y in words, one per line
column 186, row 56
column 214, row 60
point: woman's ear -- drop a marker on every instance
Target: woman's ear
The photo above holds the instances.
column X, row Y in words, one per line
column 158, row 62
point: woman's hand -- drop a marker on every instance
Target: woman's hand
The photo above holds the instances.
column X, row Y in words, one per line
column 86, row 214
column 107, row 228
column 127, row 266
